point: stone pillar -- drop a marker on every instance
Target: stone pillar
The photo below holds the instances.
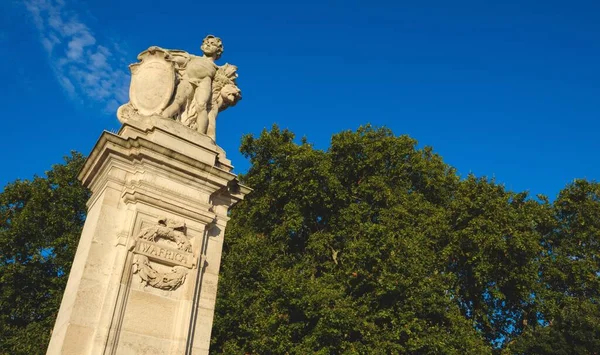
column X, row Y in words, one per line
column 144, row 279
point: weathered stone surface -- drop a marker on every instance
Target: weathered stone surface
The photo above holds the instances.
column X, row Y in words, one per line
column 144, row 279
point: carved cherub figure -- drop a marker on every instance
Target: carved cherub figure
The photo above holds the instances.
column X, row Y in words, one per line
column 181, row 86
column 194, row 88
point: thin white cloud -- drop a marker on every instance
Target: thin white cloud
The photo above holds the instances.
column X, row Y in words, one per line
column 87, row 70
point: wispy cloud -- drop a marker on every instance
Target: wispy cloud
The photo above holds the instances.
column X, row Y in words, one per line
column 87, row 70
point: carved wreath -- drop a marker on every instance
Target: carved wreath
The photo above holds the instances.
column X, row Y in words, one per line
column 163, row 280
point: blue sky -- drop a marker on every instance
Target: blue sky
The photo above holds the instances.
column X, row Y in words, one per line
column 509, row 90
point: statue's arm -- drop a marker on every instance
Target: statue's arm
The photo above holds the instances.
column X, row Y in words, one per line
column 177, row 56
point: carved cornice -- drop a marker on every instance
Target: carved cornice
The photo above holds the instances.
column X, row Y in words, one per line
column 140, row 148
column 133, row 195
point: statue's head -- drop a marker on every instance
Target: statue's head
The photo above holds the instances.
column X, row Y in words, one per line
column 212, row 47
column 229, row 70
column 231, row 94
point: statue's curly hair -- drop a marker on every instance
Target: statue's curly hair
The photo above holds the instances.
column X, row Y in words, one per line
column 219, row 44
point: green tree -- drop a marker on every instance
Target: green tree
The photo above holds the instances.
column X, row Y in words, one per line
column 574, row 330
column 344, row 251
column 40, row 225
column 376, row 246
column 569, row 296
column 493, row 249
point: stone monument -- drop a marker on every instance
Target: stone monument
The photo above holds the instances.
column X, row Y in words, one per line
column 144, row 278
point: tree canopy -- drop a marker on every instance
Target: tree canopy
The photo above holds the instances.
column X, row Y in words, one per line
column 40, row 224
column 372, row 246
column 377, row 246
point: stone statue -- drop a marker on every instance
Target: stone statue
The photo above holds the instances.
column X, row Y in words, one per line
column 190, row 89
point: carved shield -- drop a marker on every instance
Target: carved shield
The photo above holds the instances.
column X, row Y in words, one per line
column 152, row 82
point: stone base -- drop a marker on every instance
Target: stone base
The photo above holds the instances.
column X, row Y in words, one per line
column 144, row 279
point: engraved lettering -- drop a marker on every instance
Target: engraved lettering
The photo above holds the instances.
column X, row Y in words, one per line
column 164, row 253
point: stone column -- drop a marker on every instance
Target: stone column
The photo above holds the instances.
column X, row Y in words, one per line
column 144, row 279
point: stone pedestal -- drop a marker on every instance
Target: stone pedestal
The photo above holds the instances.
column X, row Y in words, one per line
column 144, row 279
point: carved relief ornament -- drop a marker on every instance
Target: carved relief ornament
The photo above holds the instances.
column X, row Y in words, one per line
column 166, row 244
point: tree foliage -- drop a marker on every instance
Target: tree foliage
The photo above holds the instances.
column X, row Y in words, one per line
column 570, row 284
column 40, row 224
column 376, row 246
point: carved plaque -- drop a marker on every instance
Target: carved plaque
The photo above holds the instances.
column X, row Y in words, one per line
column 152, row 82
column 175, row 250
column 164, row 254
